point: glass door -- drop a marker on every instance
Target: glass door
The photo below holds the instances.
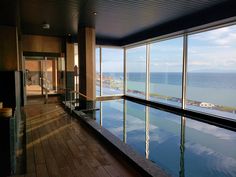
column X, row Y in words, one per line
column 49, row 76
column 33, row 75
column 41, row 75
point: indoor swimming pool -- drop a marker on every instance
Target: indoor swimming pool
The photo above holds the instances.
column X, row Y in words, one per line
column 179, row 145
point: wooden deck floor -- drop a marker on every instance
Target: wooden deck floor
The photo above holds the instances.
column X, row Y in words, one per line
column 58, row 146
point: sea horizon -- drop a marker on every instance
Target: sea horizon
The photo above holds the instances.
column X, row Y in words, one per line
column 217, row 72
column 215, row 88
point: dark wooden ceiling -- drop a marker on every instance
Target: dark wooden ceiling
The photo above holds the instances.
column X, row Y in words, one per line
column 8, row 12
column 117, row 21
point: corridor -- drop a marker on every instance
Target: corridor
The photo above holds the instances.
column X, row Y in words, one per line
column 58, row 145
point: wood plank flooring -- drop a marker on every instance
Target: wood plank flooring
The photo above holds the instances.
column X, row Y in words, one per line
column 58, row 146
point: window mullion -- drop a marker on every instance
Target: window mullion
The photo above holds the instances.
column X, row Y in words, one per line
column 184, row 70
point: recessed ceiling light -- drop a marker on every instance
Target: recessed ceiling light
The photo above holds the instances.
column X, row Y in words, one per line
column 94, row 13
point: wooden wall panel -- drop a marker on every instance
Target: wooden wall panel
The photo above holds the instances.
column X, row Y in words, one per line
column 70, row 57
column 8, row 49
column 90, row 60
column 36, row 43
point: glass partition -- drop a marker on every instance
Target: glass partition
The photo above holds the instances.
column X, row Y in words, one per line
column 136, row 71
column 211, row 83
column 76, row 63
column 98, row 72
column 211, row 71
column 41, row 75
column 112, row 71
column 33, row 74
column 166, row 58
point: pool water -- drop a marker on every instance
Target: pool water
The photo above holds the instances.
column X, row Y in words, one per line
column 181, row 146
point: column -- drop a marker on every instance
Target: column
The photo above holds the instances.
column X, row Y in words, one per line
column 87, row 72
column 70, row 66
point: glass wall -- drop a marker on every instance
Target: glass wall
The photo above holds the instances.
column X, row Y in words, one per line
column 98, row 72
column 76, row 63
column 166, row 58
column 76, row 55
column 136, row 71
column 211, row 71
column 211, row 76
column 112, row 71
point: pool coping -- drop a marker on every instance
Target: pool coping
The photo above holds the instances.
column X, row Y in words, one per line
column 219, row 121
column 144, row 166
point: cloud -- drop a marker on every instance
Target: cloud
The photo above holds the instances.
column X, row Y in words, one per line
column 166, row 48
column 199, row 63
column 213, row 57
column 213, row 160
column 212, row 130
column 223, row 36
column 116, row 130
column 213, row 50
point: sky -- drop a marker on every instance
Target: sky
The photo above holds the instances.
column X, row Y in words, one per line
column 210, row 51
column 214, row 50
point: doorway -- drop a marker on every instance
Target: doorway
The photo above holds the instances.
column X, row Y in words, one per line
column 41, row 75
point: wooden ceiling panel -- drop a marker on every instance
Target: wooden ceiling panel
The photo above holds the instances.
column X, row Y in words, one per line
column 124, row 18
column 8, row 12
column 61, row 15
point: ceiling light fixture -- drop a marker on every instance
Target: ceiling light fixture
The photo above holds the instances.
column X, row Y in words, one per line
column 46, row 26
column 94, row 13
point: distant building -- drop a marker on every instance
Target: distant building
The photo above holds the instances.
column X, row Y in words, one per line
column 206, row 105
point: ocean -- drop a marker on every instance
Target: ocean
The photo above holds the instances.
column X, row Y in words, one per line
column 203, row 80
column 215, row 88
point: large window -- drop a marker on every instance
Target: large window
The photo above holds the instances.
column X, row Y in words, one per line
column 136, row 71
column 166, row 71
column 211, row 71
column 112, row 71
column 98, row 72
column 211, row 77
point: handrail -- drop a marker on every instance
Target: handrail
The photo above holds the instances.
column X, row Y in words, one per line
column 45, row 87
column 71, row 91
column 74, row 91
column 42, row 78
